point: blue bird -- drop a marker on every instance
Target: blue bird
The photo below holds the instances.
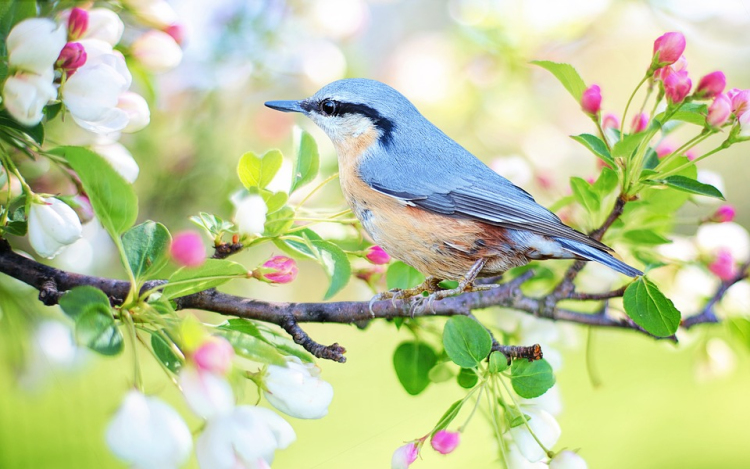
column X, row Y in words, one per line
column 426, row 200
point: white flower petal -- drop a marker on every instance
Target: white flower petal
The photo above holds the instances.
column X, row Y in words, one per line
column 297, row 390
column 52, row 226
column 26, row 94
column 208, row 394
column 34, row 44
column 157, row 51
column 250, row 216
column 120, row 159
column 104, row 25
column 544, row 426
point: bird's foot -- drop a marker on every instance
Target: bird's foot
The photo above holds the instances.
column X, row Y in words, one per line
column 465, row 285
column 430, row 285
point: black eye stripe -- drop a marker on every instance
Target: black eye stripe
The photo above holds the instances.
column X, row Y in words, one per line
column 385, row 125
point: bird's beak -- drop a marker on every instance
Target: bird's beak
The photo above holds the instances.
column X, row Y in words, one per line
column 286, row 106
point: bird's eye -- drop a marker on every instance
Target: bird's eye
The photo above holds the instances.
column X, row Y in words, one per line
column 329, row 107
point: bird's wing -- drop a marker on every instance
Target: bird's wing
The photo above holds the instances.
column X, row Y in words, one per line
column 467, row 190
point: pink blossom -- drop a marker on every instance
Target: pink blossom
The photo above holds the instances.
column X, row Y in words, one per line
column 740, row 100
column 214, row 355
column 591, row 100
column 178, row 33
column 640, row 122
column 677, row 86
column 723, row 214
column 719, row 111
column 78, row 23
column 187, row 249
column 668, row 48
column 610, row 121
column 377, row 255
column 691, row 155
column 711, row 85
column 404, row 456
column 723, row 266
column 279, row 269
column 445, row 442
column 665, row 147
column 664, row 72
column 72, row 57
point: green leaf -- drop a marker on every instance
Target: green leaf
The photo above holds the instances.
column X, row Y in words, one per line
column 402, row 276
column 441, row 372
column 112, row 198
column 467, row 378
column 96, row 329
column 647, row 237
column 606, row 183
column 692, row 113
column 274, row 200
column 146, row 247
column 336, row 265
column 692, row 186
column 567, row 75
column 531, row 379
column 498, row 362
column 212, row 273
column 258, row 171
column 625, row 147
column 164, row 352
column 281, row 343
column 254, row 348
column 740, row 329
column 213, row 224
column 308, row 162
column 413, row 362
column 279, row 221
column 650, row 309
column 585, row 195
column 35, row 132
column 466, row 341
column 448, row 416
column 298, row 247
column 596, row 146
column 78, row 300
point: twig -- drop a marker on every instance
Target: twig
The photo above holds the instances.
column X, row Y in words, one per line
column 707, row 314
column 224, row 250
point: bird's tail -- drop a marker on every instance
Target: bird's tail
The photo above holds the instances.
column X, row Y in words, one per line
column 593, row 254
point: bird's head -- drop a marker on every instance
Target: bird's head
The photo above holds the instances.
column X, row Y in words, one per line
column 354, row 112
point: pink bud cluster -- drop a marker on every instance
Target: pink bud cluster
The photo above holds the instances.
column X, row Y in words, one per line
column 377, row 255
column 442, row 441
column 723, row 214
column 724, row 265
column 187, row 249
column 278, row 269
column 214, row 355
column 73, row 56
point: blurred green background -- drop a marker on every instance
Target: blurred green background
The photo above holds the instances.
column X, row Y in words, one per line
column 464, row 63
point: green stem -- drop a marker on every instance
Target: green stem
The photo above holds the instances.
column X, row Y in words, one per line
column 474, row 409
column 601, row 133
column 630, row 99
column 690, row 163
column 680, row 151
column 133, row 293
column 317, row 188
column 523, row 417
column 133, row 337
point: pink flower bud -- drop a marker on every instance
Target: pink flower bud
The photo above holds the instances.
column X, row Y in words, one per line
column 610, row 121
column 187, row 249
column 279, row 269
column 711, row 85
column 445, row 442
column 740, row 100
column 178, row 33
column 723, row 214
column 82, row 206
column 668, row 48
column 78, row 23
column 404, row 456
column 677, row 86
column 591, row 100
column 370, row 275
column 377, row 255
column 71, row 58
column 640, row 122
column 665, row 147
column 723, row 266
column 664, row 72
column 214, row 355
column 719, row 111
column 691, row 155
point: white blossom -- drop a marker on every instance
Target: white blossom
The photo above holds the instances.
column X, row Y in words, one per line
column 208, row 394
column 711, row 237
column 297, row 390
column 137, row 110
column 34, row 45
column 104, row 25
column 544, row 426
column 157, row 13
column 25, row 94
column 568, row 460
column 246, row 437
column 120, row 159
column 250, row 216
column 157, row 51
column 149, row 434
column 93, row 92
column 52, row 226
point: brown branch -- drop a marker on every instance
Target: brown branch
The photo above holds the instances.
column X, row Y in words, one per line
column 224, row 250
column 707, row 314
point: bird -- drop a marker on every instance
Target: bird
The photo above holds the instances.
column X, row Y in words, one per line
column 428, row 201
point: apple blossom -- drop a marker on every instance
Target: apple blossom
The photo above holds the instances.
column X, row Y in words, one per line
column 724, row 214
column 34, row 44
column 568, row 460
column 712, row 237
column 26, row 94
column 668, row 48
column 187, row 249
column 544, row 426
column 157, row 13
column 78, row 23
column 136, row 107
column 711, row 85
column 639, row 123
column 377, row 255
column 250, row 216
column 719, row 111
column 148, row 433
column 52, row 226
column 591, row 100
column 723, row 265
column 104, row 25
column 744, row 122
column 245, row 437
column 120, row 159
column 157, row 51
column 177, row 31
column 92, row 94
column 81, row 204
column 297, row 390
column 677, row 86
column 444, row 442
column 207, row 394
column 664, row 147
column 215, row 355
column 404, row 456
column 72, row 57
column 740, row 100
column 610, row 121
column 278, row 269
